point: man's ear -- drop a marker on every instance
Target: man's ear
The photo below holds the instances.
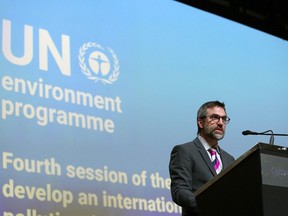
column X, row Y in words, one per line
column 200, row 123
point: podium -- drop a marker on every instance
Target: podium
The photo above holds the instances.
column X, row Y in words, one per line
column 256, row 184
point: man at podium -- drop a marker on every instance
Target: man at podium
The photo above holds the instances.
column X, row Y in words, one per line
column 194, row 163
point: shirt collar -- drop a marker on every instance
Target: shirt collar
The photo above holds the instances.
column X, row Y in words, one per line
column 206, row 145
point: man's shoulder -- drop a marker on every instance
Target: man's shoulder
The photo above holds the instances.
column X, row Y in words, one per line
column 190, row 144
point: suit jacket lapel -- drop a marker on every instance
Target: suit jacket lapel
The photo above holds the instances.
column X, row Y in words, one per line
column 223, row 159
column 205, row 156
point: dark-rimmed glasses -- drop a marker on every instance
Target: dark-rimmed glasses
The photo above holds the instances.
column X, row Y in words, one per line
column 216, row 118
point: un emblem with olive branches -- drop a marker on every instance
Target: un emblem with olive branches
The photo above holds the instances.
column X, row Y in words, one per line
column 98, row 64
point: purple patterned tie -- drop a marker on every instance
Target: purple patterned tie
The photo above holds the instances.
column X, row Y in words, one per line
column 215, row 160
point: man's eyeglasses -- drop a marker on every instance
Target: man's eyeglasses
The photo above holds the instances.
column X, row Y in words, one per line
column 216, row 118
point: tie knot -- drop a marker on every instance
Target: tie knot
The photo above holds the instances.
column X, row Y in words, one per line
column 212, row 151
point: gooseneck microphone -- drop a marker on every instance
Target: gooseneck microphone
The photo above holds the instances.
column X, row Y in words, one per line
column 268, row 132
column 248, row 132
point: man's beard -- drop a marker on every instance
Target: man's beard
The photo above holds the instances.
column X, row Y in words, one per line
column 212, row 133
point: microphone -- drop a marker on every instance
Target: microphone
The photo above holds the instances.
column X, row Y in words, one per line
column 248, row 132
column 271, row 134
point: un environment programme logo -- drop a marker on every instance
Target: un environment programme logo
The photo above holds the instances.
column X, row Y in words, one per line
column 98, row 64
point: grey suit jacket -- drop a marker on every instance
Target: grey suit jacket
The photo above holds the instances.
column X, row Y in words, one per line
column 190, row 167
